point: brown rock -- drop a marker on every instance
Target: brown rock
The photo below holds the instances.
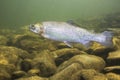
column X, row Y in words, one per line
column 76, row 76
column 86, row 61
column 18, row 74
column 32, row 43
column 113, row 76
column 66, row 74
column 65, row 51
column 11, row 55
column 34, row 72
column 88, row 74
column 100, row 77
column 33, row 78
column 26, row 65
column 116, row 42
column 6, row 71
column 61, row 45
column 3, row 40
column 62, row 55
column 114, row 55
column 4, row 75
column 91, row 74
column 99, row 50
column 113, row 58
column 115, row 69
column 45, row 62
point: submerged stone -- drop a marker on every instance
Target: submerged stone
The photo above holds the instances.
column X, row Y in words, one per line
column 113, row 76
column 64, row 54
column 113, row 58
column 45, row 63
column 66, row 73
column 3, row 40
column 86, row 61
column 18, row 74
column 33, row 43
column 115, row 69
column 11, row 55
column 33, row 78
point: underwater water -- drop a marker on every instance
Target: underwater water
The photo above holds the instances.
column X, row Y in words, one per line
column 28, row 56
column 16, row 13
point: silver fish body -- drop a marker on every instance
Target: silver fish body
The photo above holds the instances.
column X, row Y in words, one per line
column 62, row 31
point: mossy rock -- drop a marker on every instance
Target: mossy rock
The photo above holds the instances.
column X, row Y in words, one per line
column 65, row 54
column 33, row 43
column 6, row 71
column 11, row 55
column 113, row 76
column 116, row 42
column 3, row 40
column 99, row 50
column 91, row 74
column 67, row 73
column 18, row 74
column 113, row 58
column 33, row 78
column 86, row 61
column 44, row 61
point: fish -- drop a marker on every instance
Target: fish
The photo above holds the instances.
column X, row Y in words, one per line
column 67, row 33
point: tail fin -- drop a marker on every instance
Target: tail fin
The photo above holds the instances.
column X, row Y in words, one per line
column 108, row 39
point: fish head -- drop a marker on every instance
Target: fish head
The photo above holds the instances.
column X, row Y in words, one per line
column 36, row 28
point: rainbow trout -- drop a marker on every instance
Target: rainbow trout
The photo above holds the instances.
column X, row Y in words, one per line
column 67, row 33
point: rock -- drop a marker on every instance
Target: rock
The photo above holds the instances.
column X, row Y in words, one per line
column 45, row 63
column 3, row 40
column 26, row 65
column 6, row 71
column 99, row 50
column 91, row 74
column 86, row 61
column 76, row 76
column 66, row 51
column 100, row 77
column 62, row 55
column 61, row 45
column 113, row 76
column 115, row 69
column 18, row 74
column 114, row 55
column 33, row 43
column 34, row 72
column 113, row 58
column 116, row 42
column 4, row 75
column 11, row 55
column 66, row 73
column 33, row 78
column 7, row 32
column 4, row 61
column 88, row 74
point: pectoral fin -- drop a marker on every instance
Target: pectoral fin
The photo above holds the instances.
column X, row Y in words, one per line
column 86, row 44
column 68, row 44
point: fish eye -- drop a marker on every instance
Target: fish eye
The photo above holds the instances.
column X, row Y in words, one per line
column 32, row 27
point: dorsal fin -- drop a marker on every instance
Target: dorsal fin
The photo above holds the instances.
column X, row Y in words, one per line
column 71, row 22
